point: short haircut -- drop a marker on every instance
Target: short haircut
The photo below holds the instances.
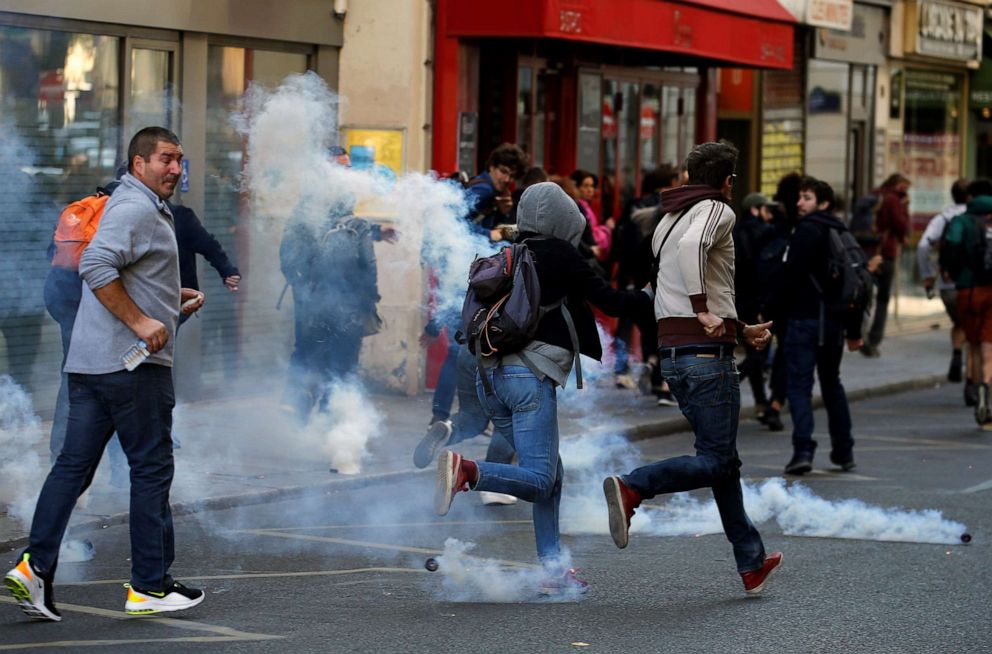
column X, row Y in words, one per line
column 895, row 179
column 659, row 178
column 534, row 175
column 980, row 186
column 580, row 176
column 146, row 141
column 508, row 155
column 820, row 189
column 711, row 163
column 959, row 191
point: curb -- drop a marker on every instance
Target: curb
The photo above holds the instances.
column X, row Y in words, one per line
column 666, row 427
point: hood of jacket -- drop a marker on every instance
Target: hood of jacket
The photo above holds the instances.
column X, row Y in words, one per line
column 679, row 198
column 547, row 210
column 980, row 205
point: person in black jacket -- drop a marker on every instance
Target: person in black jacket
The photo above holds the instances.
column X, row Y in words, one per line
column 193, row 239
column 523, row 401
column 814, row 337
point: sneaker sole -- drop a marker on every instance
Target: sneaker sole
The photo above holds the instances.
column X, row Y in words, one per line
column 426, row 449
column 162, row 608
column 757, row 589
column 618, row 521
column 445, row 483
column 22, row 594
column 798, row 470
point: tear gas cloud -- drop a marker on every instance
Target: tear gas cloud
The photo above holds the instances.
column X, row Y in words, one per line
column 794, row 507
column 21, row 468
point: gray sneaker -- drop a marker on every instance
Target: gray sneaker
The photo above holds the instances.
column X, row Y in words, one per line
column 437, row 435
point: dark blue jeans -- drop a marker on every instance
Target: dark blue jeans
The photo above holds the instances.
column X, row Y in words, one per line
column 708, row 391
column 525, row 410
column 804, row 352
column 472, row 419
column 138, row 405
column 447, row 381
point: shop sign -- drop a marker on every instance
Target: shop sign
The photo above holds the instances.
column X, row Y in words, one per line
column 835, row 14
column 947, row 30
column 865, row 43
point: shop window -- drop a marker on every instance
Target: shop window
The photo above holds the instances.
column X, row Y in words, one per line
column 227, row 216
column 590, row 118
column 931, row 139
column 59, row 140
column 828, row 92
column 531, row 112
column 152, row 90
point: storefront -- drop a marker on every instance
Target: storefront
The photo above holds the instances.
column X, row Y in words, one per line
column 76, row 83
column 616, row 88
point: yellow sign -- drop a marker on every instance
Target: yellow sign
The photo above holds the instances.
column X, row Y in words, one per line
column 381, row 146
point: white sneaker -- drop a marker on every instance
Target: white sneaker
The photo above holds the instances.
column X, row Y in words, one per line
column 31, row 591
column 175, row 598
column 489, row 499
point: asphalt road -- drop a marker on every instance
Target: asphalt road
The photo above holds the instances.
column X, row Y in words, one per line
column 344, row 572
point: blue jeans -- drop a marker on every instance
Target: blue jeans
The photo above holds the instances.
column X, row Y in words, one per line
column 447, row 381
column 525, row 410
column 138, row 405
column 708, row 391
column 804, row 351
column 471, row 419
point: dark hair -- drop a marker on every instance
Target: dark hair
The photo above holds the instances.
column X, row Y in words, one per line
column 980, row 186
column 959, row 191
column 823, row 191
column 580, row 176
column 895, row 179
column 659, row 178
column 145, row 142
column 534, row 175
column 711, row 163
column 508, row 155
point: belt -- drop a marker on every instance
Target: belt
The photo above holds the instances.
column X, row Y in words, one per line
column 720, row 351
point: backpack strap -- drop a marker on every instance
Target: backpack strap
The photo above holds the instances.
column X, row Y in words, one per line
column 656, row 266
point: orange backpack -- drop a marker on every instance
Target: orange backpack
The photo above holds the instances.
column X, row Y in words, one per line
column 75, row 229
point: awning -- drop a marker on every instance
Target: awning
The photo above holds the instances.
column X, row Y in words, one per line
column 731, row 32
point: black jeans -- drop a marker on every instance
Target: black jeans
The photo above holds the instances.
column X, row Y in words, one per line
column 326, row 351
column 138, row 405
column 883, row 277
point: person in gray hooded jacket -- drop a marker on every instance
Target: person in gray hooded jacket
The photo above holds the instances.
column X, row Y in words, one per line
column 523, row 404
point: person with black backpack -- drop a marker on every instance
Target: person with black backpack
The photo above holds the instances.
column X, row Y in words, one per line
column 827, row 294
column 527, row 318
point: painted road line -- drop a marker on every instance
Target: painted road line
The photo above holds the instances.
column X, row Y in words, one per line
column 984, row 486
column 380, row 546
column 401, row 525
column 131, row 642
column 258, row 575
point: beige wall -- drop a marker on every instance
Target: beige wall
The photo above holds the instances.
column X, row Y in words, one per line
column 385, row 80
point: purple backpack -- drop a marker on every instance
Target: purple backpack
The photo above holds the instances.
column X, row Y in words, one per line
column 503, row 308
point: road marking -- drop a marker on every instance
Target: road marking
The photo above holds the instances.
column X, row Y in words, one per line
column 223, row 634
column 380, row 546
column 258, row 575
column 398, row 525
column 984, row 486
column 832, row 474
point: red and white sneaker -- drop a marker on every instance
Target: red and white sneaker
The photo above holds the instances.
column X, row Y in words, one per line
column 451, row 478
column 621, row 500
column 754, row 581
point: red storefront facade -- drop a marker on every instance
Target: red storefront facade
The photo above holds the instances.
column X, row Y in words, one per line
column 616, row 87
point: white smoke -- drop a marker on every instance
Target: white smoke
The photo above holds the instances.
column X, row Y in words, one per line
column 21, row 469
column 468, row 578
column 348, row 425
column 794, row 507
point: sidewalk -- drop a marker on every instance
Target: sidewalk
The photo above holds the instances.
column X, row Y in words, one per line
column 243, row 450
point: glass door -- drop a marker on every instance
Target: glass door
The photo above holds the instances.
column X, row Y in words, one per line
column 149, row 85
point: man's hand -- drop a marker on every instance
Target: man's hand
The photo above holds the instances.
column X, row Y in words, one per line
column 190, row 301
column 152, row 332
column 855, row 344
column 874, row 263
column 231, row 282
column 504, row 203
column 712, row 324
column 757, row 336
column 389, row 234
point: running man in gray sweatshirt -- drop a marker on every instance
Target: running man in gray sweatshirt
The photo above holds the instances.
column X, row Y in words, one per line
column 132, row 293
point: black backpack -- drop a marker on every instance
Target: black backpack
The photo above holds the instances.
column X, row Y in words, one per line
column 849, row 286
column 502, row 307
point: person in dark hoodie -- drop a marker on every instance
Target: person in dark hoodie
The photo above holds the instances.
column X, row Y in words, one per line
column 698, row 331
column 814, row 336
column 523, row 404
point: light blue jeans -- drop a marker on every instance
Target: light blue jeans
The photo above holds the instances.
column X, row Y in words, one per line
column 524, row 409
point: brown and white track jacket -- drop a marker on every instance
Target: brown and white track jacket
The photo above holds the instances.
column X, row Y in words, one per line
column 696, row 267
